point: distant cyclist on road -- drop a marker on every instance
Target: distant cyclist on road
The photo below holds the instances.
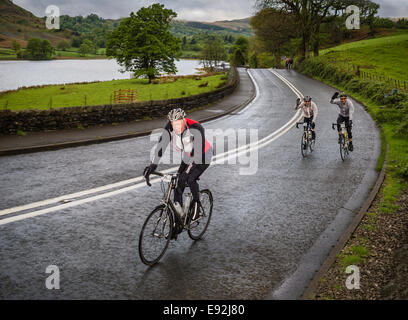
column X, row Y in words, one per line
column 310, row 111
column 188, row 137
column 346, row 115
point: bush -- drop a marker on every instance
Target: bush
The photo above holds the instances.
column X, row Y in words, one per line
column 388, row 115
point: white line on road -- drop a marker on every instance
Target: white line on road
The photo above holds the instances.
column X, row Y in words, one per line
column 224, row 156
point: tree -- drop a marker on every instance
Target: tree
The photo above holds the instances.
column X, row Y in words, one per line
column 310, row 14
column 87, row 47
column 143, row 43
column 240, row 54
column 76, row 42
column 63, row 45
column 16, row 46
column 274, row 29
column 213, row 53
column 38, row 49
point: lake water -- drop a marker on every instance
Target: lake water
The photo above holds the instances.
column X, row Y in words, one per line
column 15, row 74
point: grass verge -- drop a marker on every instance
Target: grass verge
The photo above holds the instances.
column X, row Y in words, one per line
column 389, row 108
column 98, row 93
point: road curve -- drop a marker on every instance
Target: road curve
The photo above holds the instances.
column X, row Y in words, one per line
column 269, row 232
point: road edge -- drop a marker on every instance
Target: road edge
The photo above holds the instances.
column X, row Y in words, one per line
column 309, row 293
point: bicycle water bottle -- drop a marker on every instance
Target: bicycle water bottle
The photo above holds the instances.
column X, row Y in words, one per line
column 178, row 208
column 187, row 202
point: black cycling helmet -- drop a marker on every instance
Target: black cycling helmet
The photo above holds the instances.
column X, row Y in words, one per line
column 343, row 95
column 307, row 98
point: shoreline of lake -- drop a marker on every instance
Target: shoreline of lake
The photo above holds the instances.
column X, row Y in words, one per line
column 25, row 73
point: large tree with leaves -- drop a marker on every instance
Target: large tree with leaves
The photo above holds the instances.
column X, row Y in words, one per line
column 274, row 29
column 309, row 14
column 240, row 55
column 143, row 43
column 213, row 53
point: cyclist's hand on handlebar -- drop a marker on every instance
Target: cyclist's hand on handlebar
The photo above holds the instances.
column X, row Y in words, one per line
column 335, row 95
column 147, row 171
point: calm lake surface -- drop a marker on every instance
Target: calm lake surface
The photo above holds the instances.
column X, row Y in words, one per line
column 15, row 74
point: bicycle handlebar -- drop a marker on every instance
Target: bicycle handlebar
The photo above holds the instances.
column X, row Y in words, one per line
column 343, row 125
column 156, row 173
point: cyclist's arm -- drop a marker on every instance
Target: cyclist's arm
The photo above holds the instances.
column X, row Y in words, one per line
column 300, row 106
column 199, row 140
column 315, row 111
column 351, row 109
column 162, row 144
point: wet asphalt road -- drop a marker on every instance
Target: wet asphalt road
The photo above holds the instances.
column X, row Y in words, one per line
column 264, row 225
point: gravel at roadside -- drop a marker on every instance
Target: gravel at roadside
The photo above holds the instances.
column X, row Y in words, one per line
column 379, row 247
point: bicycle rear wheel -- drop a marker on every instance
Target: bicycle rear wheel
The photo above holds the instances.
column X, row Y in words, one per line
column 198, row 227
column 304, row 145
column 155, row 235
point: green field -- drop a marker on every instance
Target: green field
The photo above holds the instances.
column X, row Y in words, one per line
column 100, row 93
column 386, row 56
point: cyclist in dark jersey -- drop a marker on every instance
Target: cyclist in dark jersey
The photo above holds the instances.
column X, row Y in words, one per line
column 346, row 109
column 188, row 137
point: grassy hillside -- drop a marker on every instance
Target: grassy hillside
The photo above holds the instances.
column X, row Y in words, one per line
column 19, row 24
column 386, row 56
column 235, row 28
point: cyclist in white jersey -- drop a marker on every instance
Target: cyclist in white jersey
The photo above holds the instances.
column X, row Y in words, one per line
column 310, row 112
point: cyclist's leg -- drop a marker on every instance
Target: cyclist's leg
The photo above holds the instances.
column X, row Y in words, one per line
column 340, row 120
column 178, row 192
column 350, row 136
column 348, row 127
column 305, row 120
column 195, row 172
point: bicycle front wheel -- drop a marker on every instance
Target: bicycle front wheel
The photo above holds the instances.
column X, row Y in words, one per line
column 155, row 235
column 343, row 147
column 198, row 227
column 304, row 145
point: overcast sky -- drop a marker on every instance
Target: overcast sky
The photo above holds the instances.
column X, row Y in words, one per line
column 196, row 10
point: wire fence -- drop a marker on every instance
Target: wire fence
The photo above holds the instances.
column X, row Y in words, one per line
column 364, row 74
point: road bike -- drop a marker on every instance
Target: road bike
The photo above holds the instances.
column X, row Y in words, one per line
column 164, row 223
column 343, row 141
column 307, row 142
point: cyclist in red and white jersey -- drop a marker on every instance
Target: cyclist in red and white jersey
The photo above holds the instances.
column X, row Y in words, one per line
column 188, row 137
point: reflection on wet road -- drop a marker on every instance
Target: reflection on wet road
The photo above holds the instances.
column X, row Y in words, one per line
column 263, row 224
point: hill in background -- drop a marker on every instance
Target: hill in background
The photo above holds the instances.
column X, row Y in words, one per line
column 16, row 23
column 19, row 24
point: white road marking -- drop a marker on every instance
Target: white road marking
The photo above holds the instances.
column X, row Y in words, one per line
column 224, row 156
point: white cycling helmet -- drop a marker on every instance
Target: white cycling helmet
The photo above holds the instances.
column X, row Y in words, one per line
column 176, row 114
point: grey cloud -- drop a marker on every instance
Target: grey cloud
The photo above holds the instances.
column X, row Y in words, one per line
column 198, row 10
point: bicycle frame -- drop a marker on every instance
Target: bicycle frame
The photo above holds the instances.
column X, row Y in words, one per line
column 167, row 202
column 343, row 130
column 344, row 151
column 307, row 129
